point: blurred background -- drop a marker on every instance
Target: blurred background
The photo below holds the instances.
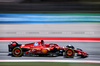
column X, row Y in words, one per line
column 49, row 5
column 76, row 19
column 49, row 1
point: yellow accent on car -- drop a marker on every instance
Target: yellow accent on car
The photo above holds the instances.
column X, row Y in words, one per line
column 44, row 50
column 57, row 47
column 48, row 49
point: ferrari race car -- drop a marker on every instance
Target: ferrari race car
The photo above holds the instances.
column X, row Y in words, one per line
column 39, row 48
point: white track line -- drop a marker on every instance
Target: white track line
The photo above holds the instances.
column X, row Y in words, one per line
column 70, row 61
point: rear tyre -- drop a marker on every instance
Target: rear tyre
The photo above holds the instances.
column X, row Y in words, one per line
column 17, row 52
column 69, row 53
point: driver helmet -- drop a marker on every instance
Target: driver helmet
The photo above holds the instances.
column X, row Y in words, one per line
column 70, row 46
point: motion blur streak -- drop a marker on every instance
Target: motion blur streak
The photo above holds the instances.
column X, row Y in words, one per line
column 48, row 18
column 50, row 30
column 50, row 38
column 75, row 61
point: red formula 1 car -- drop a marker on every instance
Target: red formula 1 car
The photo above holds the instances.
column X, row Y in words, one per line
column 39, row 48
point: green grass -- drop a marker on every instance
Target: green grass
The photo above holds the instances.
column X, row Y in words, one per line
column 46, row 64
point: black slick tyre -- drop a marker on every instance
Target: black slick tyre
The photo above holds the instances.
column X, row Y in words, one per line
column 69, row 53
column 17, row 52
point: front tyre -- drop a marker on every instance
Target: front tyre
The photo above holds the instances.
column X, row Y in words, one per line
column 69, row 53
column 17, row 52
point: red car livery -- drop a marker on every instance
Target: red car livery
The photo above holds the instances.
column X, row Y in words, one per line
column 39, row 48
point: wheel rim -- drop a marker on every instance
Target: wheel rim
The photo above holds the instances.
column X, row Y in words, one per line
column 17, row 51
column 69, row 53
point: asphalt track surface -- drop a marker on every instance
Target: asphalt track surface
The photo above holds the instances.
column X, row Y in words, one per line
column 92, row 48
